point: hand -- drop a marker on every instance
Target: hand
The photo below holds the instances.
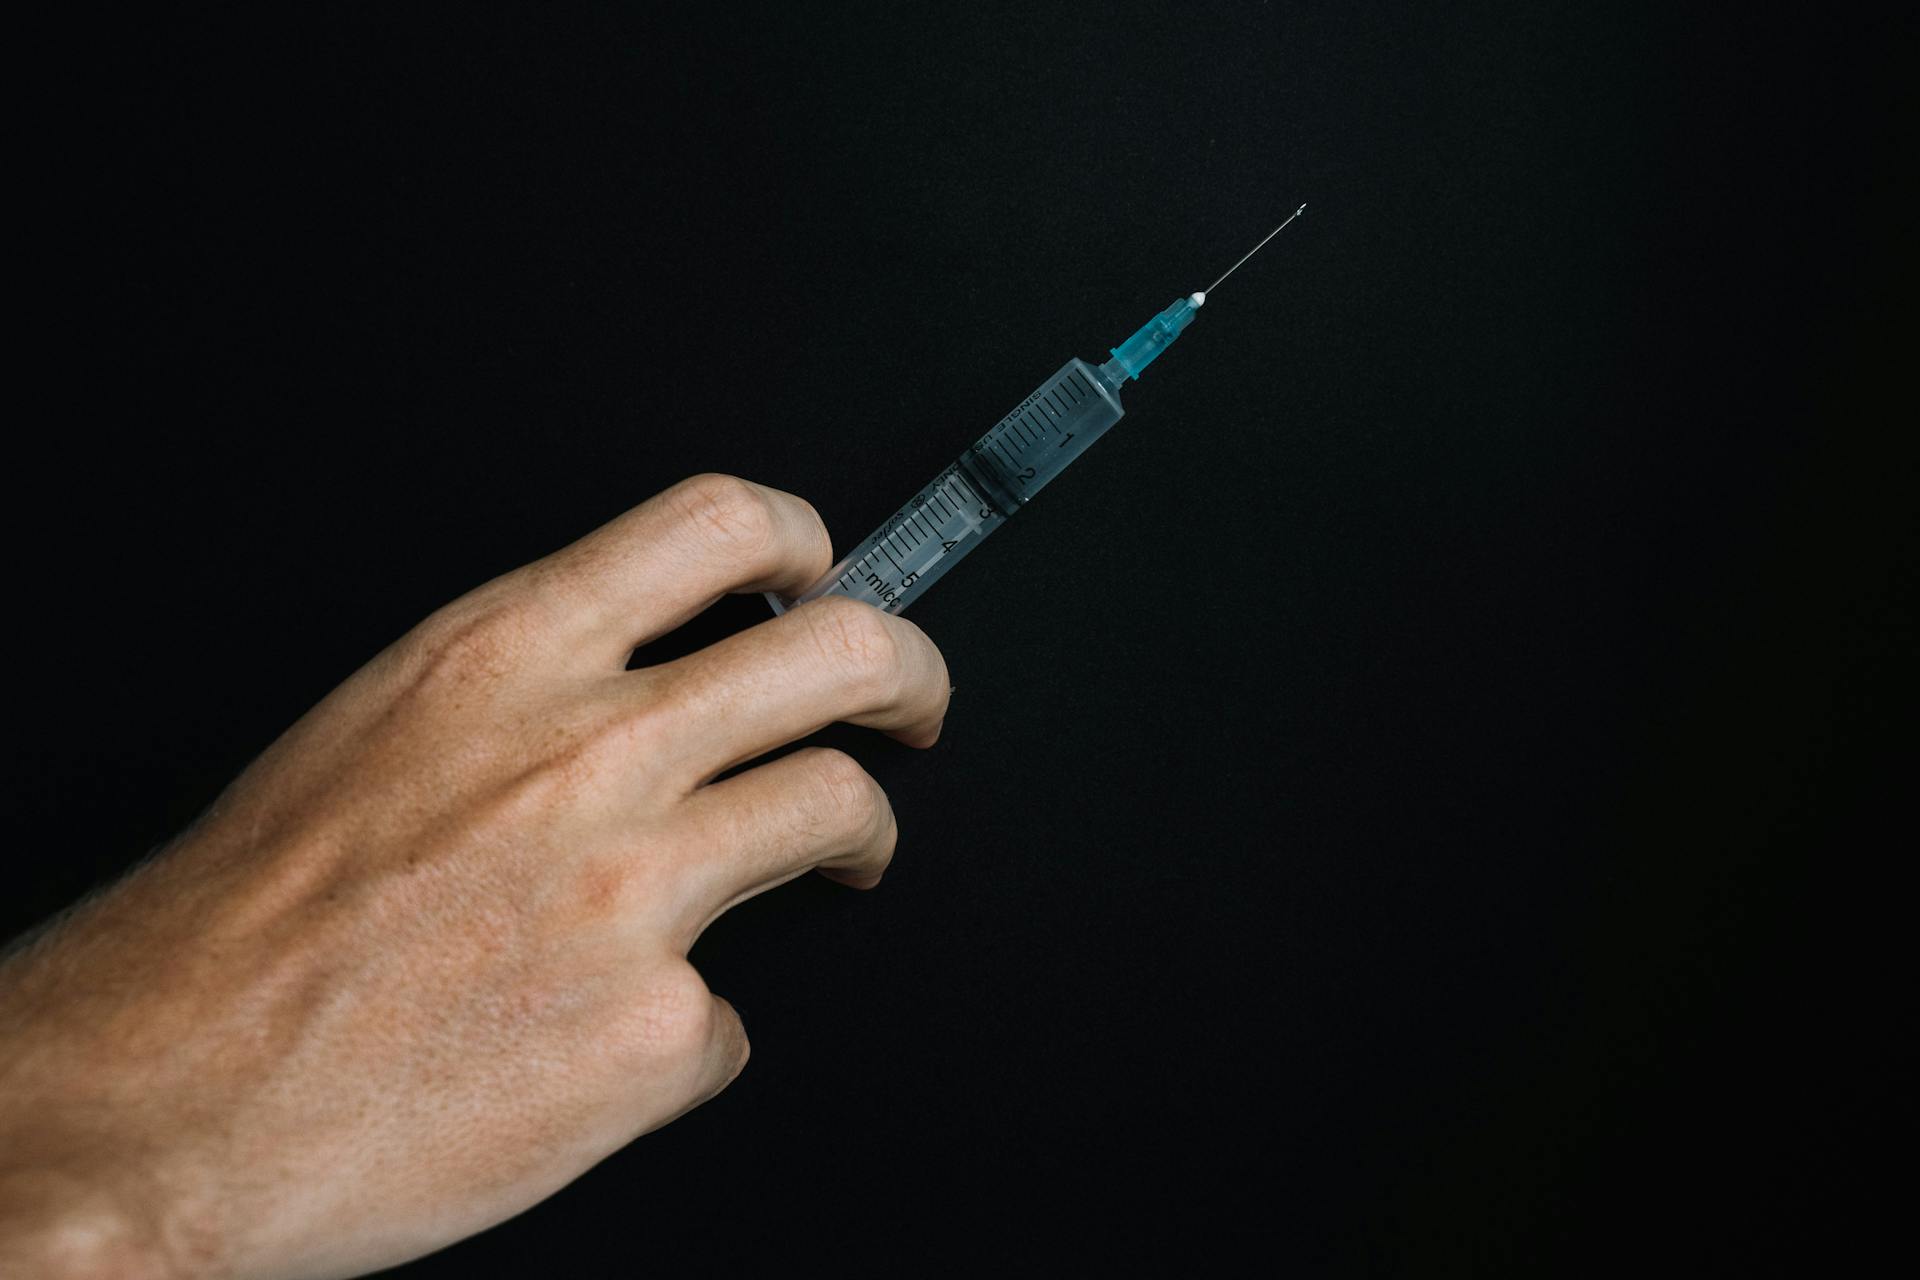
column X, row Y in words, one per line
column 424, row 962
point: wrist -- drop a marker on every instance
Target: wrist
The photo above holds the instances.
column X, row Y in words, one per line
column 68, row 1227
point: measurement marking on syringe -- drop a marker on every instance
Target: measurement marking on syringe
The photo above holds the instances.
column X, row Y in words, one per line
column 970, row 496
column 988, row 484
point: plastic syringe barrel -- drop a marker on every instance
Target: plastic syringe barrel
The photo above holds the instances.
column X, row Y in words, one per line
column 997, row 475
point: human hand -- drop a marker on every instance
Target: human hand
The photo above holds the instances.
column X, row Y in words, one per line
column 424, row 962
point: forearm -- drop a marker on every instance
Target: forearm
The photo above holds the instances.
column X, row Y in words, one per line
column 70, row 1221
column 86, row 1188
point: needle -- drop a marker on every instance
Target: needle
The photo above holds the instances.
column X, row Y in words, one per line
column 1257, row 248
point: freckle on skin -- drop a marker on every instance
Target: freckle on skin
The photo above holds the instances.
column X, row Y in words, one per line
column 601, row 887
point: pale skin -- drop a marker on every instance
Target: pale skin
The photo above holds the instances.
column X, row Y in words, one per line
column 425, row 961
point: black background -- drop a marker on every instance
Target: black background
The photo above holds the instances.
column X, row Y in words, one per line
column 1413, row 794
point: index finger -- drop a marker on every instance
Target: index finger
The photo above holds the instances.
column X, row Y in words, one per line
column 646, row 572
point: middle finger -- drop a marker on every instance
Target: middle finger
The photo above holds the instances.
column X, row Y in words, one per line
column 831, row 660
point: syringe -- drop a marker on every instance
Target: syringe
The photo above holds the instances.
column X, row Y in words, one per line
column 1002, row 470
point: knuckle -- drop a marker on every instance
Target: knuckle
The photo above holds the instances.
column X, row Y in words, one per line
column 816, row 531
column 846, row 793
column 938, row 677
column 729, row 514
column 672, row 1015
column 882, row 856
column 855, row 641
column 878, row 840
column 941, row 673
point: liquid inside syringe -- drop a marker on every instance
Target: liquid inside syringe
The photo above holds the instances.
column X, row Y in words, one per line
column 1002, row 470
